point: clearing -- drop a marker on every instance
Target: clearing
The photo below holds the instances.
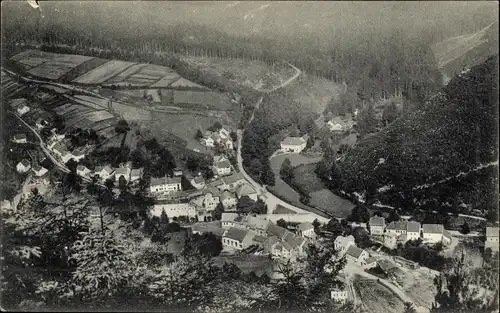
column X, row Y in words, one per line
column 375, row 297
column 103, row 72
column 330, row 202
column 418, row 284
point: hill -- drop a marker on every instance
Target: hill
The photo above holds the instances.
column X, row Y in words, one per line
column 442, row 156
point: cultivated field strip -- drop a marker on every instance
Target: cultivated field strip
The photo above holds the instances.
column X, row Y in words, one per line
column 184, row 83
column 104, row 72
column 166, row 80
column 125, row 74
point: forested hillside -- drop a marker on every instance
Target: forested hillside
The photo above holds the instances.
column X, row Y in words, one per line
column 440, row 156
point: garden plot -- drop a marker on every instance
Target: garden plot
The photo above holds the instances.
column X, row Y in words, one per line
column 107, row 132
column 82, row 101
column 33, row 54
column 125, row 74
column 376, row 297
column 102, row 103
column 71, row 122
column 96, row 116
column 418, row 284
column 330, row 202
column 186, row 84
column 31, row 62
column 131, row 113
column 157, row 71
column 166, row 80
column 65, row 108
column 104, row 72
column 83, row 68
column 214, row 100
column 76, row 109
column 51, row 70
column 104, row 124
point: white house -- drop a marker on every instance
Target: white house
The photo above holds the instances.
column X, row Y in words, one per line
column 237, row 239
column 341, row 243
column 229, row 144
column 23, row 166
column 340, row 124
column 78, row 154
column 339, row 295
column 356, row 255
column 228, row 199
column 229, row 220
column 23, row 109
column 165, row 185
column 82, row 170
column 377, row 225
column 20, row 138
column 60, row 149
column 434, row 233
column 177, row 172
column 293, row 144
column 222, row 168
column 122, row 171
column 207, row 201
column 219, row 158
column 405, row 230
column 491, row 238
column 256, row 224
column 198, row 182
column 306, row 230
column 246, row 190
column 223, row 133
column 370, row 262
column 136, row 174
column 39, row 170
column 231, row 182
column 173, row 209
column 209, row 142
column 41, row 123
column 104, row 172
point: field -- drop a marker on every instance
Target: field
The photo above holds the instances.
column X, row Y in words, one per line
column 306, row 177
column 166, row 81
column 125, row 74
column 328, row 201
column 103, row 72
column 183, row 83
column 131, row 113
column 377, row 298
column 204, row 99
column 82, row 69
column 418, row 285
column 253, row 74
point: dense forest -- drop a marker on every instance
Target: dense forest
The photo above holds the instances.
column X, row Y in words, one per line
column 441, row 156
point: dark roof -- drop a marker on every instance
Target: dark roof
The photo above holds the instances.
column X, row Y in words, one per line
column 283, row 210
column 199, row 180
column 121, row 171
column 25, row 162
column 433, row 228
column 305, row 226
column 293, row 241
column 370, row 260
column 293, row 141
column 275, row 230
column 223, row 164
column 377, row 221
column 413, row 227
column 354, row 251
column 236, row 234
column 232, row 178
column 386, row 265
column 259, row 239
column 399, row 225
column 165, row 180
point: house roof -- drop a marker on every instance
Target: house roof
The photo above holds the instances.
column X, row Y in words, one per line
column 231, row 179
column 219, row 158
column 199, row 180
column 165, row 181
column 446, row 234
column 305, row 226
column 108, row 169
column 256, row 222
column 36, row 167
column 491, row 231
column 17, row 102
column 283, row 210
column 413, row 227
column 235, row 234
column 259, row 239
column 370, row 260
column 245, row 190
column 354, row 251
column 228, row 217
column 377, row 221
column 223, row 164
column 177, row 169
column 271, row 240
column 60, row 146
column 25, row 163
column 386, row 265
column 293, row 241
column 81, row 168
column 136, row 172
column 226, row 195
column 293, row 141
column 399, row 225
column 19, row 136
column 121, row 171
column 344, row 240
column 433, row 228
column 275, row 230
column 78, row 152
column 248, row 240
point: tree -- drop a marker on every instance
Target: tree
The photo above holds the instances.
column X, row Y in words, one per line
column 198, row 135
column 122, row 184
column 310, row 142
column 359, row 214
column 367, row 121
column 122, row 127
column 234, row 136
column 393, row 216
column 465, row 229
column 217, row 213
column 267, row 174
column 164, row 218
column 215, row 127
column 286, row 171
column 409, row 308
column 282, row 223
column 245, row 204
column 390, row 112
column 361, row 237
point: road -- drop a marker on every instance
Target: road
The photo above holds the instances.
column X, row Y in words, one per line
column 288, row 82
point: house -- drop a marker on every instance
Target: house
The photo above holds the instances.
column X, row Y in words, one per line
column 339, row 295
column 223, row 133
column 356, row 255
column 136, row 174
column 39, row 170
column 207, row 201
column 15, row 103
column 23, row 166
column 306, row 230
column 209, row 142
column 59, row 148
column 377, row 225
column 231, row 182
column 341, row 243
column 23, row 109
column 228, row 220
column 238, row 239
column 410, row 230
column 6, row 205
column 390, row 240
column 122, row 172
column 41, row 123
column 246, row 190
column 198, row 182
column 491, row 238
column 228, row 143
column 386, row 266
column 20, row 138
column 434, row 233
column 277, row 231
column 177, row 172
column 222, row 168
column 257, row 225
column 82, row 170
column 104, row 172
column 293, row 144
column 173, row 209
column 165, row 185
column 340, row 124
column 228, row 199
column 370, row 262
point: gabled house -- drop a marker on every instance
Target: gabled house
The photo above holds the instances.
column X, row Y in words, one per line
column 228, row 143
column 23, row 166
column 41, row 123
column 237, row 238
column 38, row 170
column 20, row 138
column 82, row 170
column 219, row 158
column 257, row 225
column 228, row 199
column 434, row 233
column 231, row 182
column 340, row 124
column 177, row 172
column 341, row 243
column 165, row 185
column 407, row 230
column 293, row 144
column 136, row 174
column 228, row 220
column 23, row 109
column 223, row 133
column 78, row 154
column 198, row 182
column 122, row 172
column 104, row 172
column 356, row 255
column 246, row 190
column 370, row 262
column 207, row 201
column 222, row 168
column 60, row 149
column 491, row 238
column 173, row 208
column 377, row 225
column 15, row 103
column 339, row 295
column 306, row 230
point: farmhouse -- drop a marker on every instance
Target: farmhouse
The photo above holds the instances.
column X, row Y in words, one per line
column 198, row 182
column 228, row 199
column 104, row 172
column 173, row 209
column 136, row 174
column 342, row 243
column 39, row 170
column 257, row 225
column 228, row 143
column 222, row 168
column 434, row 233
column 165, row 185
column 370, row 262
column 206, row 201
column 82, row 170
column 306, row 230
column 377, row 225
column 20, row 138
column 293, row 144
column 246, row 190
column 491, row 238
column 59, row 148
column 219, row 158
column 23, row 166
column 340, row 124
column 237, row 238
column 410, row 230
column 356, row 255
column 122, row 171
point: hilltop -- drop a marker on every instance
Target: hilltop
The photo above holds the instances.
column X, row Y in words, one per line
column 442, row 155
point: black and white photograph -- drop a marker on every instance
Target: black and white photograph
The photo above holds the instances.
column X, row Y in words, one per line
column 249, row 156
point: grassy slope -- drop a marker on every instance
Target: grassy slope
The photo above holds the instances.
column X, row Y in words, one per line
column 451, row 133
